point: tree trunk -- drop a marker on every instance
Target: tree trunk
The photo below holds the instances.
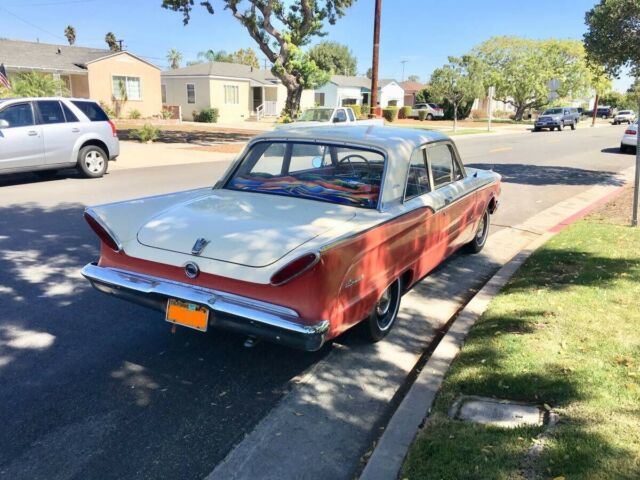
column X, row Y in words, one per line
column 292, row 105
column 455, row 116
column 595, row 110
column 520, row 112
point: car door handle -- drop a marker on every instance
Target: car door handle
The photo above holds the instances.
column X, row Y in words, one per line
column 75, row 130
column 32, row 133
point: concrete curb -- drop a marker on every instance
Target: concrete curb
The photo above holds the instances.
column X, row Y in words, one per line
column 388, row 457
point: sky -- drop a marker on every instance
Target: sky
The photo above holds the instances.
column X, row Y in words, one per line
column 421, row 32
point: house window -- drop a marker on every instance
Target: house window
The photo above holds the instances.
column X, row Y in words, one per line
column 232, row 94
column 191, row 93
column 163, row 92
column 318, row 99
column 349, row 101
column 130, row 85
column 392, row 103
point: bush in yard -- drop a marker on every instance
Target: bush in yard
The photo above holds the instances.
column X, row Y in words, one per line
column 366, row 110
column 207, row 115
column 405, row 112
column 390, row 114
column 422, row 115
column 147, row 133
column 357, row 109
column 135, row 114
column 166, row 114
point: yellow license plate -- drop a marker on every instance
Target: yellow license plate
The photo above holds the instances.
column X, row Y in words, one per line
column 188, row 314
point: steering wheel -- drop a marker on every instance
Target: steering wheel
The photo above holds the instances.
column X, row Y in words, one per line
column 348, row 158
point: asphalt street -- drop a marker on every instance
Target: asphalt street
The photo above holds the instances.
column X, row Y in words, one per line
column 91, row 387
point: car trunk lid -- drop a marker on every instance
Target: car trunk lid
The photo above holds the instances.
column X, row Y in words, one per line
column 245, row 228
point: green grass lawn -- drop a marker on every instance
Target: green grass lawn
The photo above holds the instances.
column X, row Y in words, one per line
column 564, row 332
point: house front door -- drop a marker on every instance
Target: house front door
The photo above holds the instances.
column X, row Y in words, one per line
column 257, row 97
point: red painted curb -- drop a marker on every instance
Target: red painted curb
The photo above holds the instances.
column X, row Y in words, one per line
column 586, row 210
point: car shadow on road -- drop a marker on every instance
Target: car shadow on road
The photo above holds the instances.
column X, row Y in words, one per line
column 525, row 174
column 29, row 178
column 86, row 378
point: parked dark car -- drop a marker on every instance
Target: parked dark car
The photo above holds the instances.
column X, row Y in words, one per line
column 558, row 117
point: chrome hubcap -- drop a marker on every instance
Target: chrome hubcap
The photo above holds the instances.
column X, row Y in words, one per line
column 382, row 307
column 482, row 229
column 94, row 161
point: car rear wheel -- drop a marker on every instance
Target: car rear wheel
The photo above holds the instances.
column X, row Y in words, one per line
column 536, row 129
column 573, row 126
column 623, row 148
column 560, row 127
column 482, row 233
column 385, row 312
column 429, row 116
column 92, row 161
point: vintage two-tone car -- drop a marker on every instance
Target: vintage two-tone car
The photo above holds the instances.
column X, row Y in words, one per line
column 310, row 232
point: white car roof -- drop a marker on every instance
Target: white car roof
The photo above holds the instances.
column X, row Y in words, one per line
column 397, row 144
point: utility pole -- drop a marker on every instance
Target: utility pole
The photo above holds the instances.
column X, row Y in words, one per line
column 376, row 52
column 403, row 62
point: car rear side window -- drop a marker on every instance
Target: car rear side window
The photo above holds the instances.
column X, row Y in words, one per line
column 69, row 116
column 351, row 115
column 18, row 115
column 50, row 112
column 442, row 164
column 92, row 110
column 418, row 177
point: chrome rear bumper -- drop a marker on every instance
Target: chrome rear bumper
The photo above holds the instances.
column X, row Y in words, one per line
column 231, row 312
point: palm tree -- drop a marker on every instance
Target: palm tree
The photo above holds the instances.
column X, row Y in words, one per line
column 70, row 33
column 174, row 57
column 111, row 40
column 34, row 84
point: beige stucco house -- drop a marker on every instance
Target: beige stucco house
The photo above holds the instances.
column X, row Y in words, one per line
column 89, row 72
column 239, row 92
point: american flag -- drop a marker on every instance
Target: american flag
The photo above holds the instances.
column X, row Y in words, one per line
column 4, row 80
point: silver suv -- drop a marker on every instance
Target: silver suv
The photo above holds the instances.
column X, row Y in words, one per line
column 47, row 134
column 559, row 118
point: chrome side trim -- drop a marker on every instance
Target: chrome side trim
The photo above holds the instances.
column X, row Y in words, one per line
column 233, row 312
column 89, row 211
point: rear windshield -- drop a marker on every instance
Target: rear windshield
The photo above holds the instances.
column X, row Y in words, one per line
column 327, row 173
column 92, row 110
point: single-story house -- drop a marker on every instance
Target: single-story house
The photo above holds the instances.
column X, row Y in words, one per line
column 411, row 89
column 346, row 90
column 89, row 72
column 239, row 92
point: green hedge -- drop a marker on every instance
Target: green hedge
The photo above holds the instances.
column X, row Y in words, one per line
column 206, row 115
column 422, row 115
column 405, row 112
column 357, row 110
column 390, row 114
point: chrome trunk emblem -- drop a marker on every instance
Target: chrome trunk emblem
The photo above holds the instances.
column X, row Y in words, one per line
column 198, row 247
column 191, row 270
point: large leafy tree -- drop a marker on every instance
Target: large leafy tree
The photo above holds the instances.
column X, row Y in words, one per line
column 280, row 28
column 246, row 56
column 335, row 58
column 613, row 40
column 70, row 33
column 457, row 82
column 414, row 78
column 521, row 70
column 174, row 57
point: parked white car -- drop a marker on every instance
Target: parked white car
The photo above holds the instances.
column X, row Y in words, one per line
column 319, row 116
column 624, row 116
column 434, row 112
column 48, row 134
column 629, row 139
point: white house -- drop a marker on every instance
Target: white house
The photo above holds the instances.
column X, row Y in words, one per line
column 345, row 90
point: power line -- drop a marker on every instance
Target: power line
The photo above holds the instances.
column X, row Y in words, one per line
column 32, row 24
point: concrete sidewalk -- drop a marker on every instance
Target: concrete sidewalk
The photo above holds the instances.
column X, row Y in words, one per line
column 143, row 155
